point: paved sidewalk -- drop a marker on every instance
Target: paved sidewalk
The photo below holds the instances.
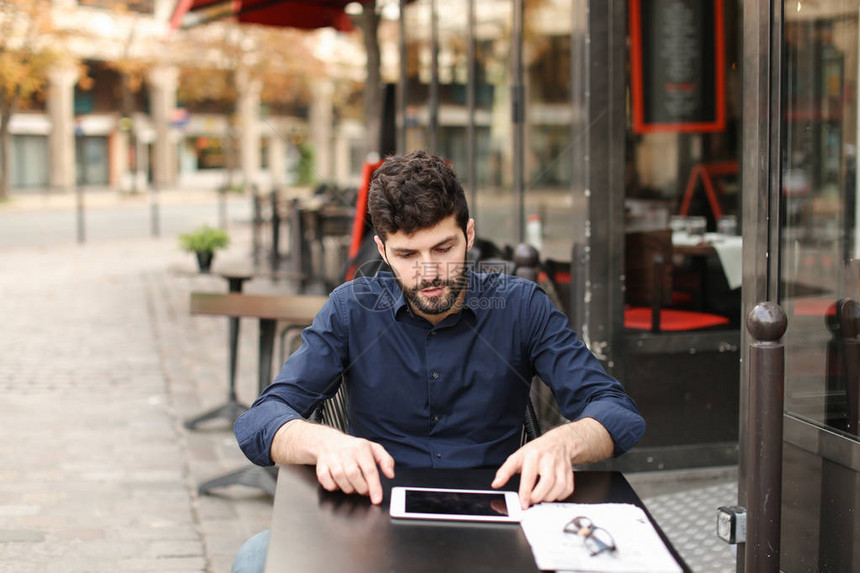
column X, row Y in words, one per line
column 101, row 363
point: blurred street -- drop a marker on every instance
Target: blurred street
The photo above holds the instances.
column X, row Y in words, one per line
column 41, row 218
column 101, row 364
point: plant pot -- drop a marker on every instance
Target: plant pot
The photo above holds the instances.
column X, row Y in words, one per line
column 204, row 260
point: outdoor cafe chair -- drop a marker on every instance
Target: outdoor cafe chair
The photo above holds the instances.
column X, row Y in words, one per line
column 648, row 271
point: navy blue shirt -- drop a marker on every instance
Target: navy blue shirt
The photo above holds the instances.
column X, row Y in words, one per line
column 450, row 395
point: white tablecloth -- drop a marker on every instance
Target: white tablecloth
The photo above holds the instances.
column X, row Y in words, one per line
column 729, row 250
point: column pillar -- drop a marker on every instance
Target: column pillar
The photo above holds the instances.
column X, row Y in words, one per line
column 119, row 146
column 162, row 90
column 277, row 157
column 249, row 127
column 321, row 128
column 61, row 105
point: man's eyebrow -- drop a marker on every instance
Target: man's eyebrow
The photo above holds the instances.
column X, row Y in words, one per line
column 402, row 250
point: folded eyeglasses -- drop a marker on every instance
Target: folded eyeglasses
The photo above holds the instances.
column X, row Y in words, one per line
column 596, row 539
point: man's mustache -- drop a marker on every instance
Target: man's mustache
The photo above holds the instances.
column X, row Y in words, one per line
column 437, row 283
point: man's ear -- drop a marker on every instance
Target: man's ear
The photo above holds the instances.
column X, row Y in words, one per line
column 380, row 246
column 470, row 234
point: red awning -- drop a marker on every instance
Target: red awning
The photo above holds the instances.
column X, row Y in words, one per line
column 305, row 14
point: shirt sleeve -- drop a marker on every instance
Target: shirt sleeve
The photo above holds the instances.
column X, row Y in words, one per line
column 310, row 375
column 581, row 386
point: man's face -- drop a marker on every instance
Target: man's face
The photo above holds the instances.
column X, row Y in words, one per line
column 430, row 265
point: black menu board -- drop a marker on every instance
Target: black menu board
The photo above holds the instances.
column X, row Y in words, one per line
column 677, row 65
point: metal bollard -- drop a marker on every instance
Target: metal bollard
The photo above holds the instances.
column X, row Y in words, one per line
column 766, row 323
column 222, row 206
column 257, row 224
column 297, row 241
column 80, row 217
column 276, row 230
column 527, row 260
column 154, row 215
column 843, row 366
column 850, row 319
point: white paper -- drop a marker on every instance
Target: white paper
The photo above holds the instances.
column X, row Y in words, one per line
column 639, row 547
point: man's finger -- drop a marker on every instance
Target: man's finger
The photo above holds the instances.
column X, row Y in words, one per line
column 325, row 479
column 509, row 468
column 354, row 473
column 340, row 477
column 528, row 478
column 384, row 459
column 371, row 478
column 547, row 482
column 563, row 486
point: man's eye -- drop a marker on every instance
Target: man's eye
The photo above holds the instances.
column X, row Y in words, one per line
column 443, row 250
column 406, row 255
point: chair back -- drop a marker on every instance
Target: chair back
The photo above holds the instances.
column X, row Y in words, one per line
column 334, row 411
column 648, row 267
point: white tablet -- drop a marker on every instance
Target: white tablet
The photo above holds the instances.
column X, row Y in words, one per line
column 455, row 504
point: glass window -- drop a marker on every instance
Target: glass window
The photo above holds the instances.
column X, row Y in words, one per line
column 550, row 217
column 91, row 156
column 30, row 161
column 496, row 209
column 820, row 244
column 418, row 74
column 683, row 148
column 451, row 141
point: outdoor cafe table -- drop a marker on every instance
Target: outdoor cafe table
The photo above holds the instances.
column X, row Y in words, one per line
column 727, row 248
column 292, row 310
column 318, row 531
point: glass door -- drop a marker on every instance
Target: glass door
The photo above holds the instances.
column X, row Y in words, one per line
column 819, row 285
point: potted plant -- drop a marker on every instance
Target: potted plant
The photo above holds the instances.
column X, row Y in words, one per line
column 203, row 242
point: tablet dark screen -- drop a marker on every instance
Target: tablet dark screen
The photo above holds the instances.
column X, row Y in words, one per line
column 456, row 503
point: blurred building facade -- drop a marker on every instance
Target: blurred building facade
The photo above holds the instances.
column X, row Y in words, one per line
column 103, row 133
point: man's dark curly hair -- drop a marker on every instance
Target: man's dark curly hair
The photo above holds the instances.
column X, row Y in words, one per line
column 415, row 191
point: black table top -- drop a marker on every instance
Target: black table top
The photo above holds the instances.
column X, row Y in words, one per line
column 318, row 531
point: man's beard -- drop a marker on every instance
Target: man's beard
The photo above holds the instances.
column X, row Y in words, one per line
column 451, row 290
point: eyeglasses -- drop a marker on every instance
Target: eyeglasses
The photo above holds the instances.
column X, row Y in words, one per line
column 596, row 539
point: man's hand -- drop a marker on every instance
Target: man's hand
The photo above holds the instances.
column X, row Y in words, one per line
column 343, row 462
column 546, row 464
column 349, row 464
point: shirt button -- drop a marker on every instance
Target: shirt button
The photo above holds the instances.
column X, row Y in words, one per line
column 435, row 419
column 432, row 333
column 438, row 455
column 435, row 375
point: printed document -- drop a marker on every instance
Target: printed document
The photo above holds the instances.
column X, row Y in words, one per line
column 638, row 547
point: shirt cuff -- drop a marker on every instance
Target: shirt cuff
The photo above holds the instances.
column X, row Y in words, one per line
column 255, row 429
column 624, row 426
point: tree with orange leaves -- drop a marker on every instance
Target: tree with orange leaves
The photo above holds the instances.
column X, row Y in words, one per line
column 26, row 54
column 279, row 61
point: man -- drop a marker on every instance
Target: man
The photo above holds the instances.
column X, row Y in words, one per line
column 438, row 362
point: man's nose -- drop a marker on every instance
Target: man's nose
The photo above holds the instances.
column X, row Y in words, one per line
column 430, row 269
